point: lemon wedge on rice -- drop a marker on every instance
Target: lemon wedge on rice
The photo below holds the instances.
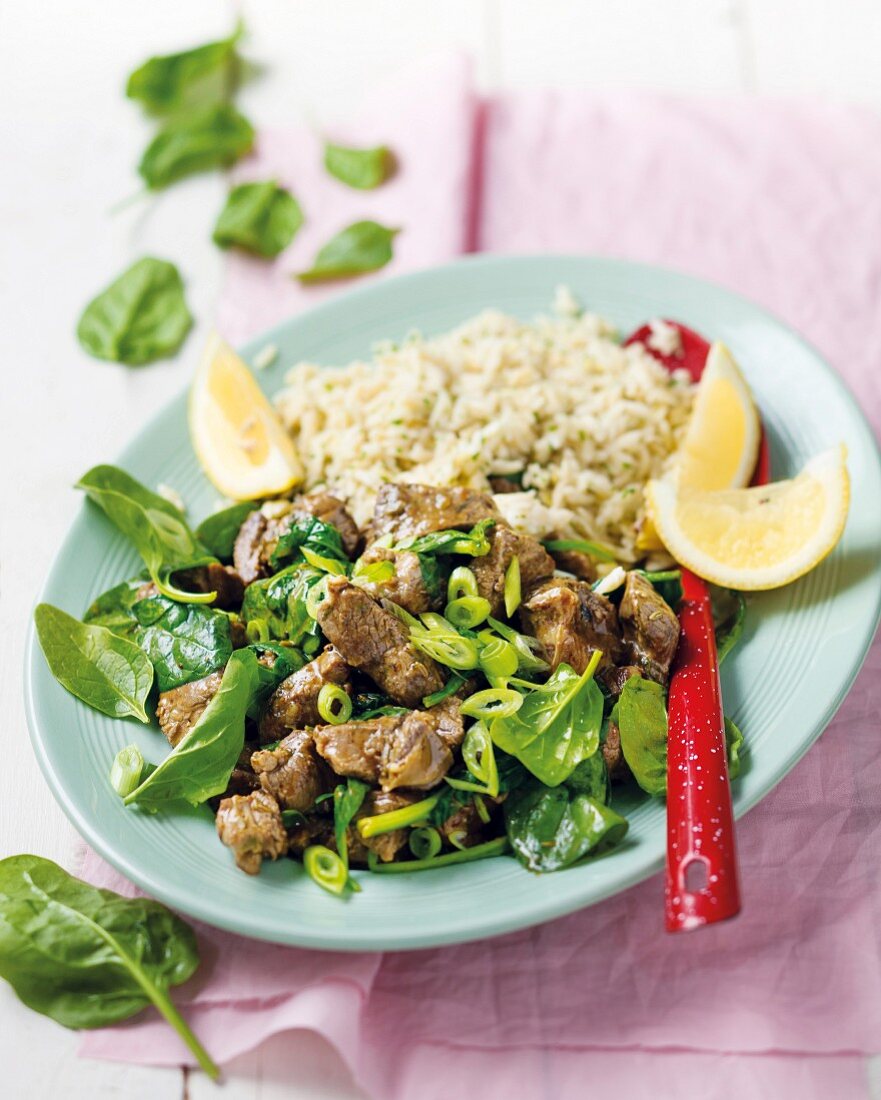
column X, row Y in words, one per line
column 236, row 434
column 760, row 537
column 721, row 443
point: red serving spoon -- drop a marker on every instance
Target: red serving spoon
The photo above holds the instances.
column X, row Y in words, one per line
column 701, row 879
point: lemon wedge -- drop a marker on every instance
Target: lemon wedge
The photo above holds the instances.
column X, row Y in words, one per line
column 721, row 443
column 237, row 437
column 756, row 538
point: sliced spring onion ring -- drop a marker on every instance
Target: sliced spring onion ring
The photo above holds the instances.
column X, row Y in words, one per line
column 480, row 851
column 126, row 770
column 425, row 843
column 326, row 868
column 373, row 572
column 334, row 704
column 316, row 596
column 479, row 757
column 451, row 649
column 482, row 811
column 326, row 565
column 512, row 586
column 450, row 688
column 493, row 703
column 467, row 611
column 498, row 658
column 396, row 819
column 527, row 660
column 457, row 838
column 257, row 630
column 462, row 582
column 597, row 550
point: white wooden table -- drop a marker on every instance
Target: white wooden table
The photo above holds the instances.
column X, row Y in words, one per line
column 69, row 140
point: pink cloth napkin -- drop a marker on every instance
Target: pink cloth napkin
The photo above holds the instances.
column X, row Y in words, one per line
column 781, row 202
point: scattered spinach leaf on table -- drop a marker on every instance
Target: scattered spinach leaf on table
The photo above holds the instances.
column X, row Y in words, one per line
column 109, row 673
column 183, row 642
column 199, row 766
column 155, row 526
column 641, row 716
column 140, row 317
column 214, row 137
column 217, row 532
column 183, row 81
column 361, row 247
column 87, row 957
column 363, row 169
column 258, row 217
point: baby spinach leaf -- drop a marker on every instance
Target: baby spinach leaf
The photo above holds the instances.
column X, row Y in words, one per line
column 550, row 827
column 361, row 247
column 109, row 673
column 214, row 137
column 259, row 217
column 200, row 765
column 114, row 608
column 591, row 778
column 641, row 715
column 557, row 726
column 733, row 747
column 157, row 529
column 473, row 543
column 140, row 317
column 274, row 664
column 275, row 608
column 217, row 532
column 190, row 79
column 347, row 799
column 309, row 533
column 360, row 168
column 184, row 642
column 729, row 611
column 87, row 957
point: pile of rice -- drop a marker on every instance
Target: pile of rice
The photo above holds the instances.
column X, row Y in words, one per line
column 585, row 421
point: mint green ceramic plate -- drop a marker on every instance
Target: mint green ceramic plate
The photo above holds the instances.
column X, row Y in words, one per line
column 803, row 644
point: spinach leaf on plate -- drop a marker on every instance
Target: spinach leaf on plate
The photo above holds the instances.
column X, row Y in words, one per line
column 155, row 526
column 262, row 218
column 115, row 608
column 274, row 609
column 183, row 642
column 359, row 248
column 550, row 827
column 87, row 957
column 473, row 543
column 347, row 800
column 556, row 727
column 591, row 778
column 285, row 661
column 189, row 79
column 109, row 673
column 217, row 532
column 641, row 716
column 140, row 317
column 199, row 766
column 733, row 747
column 363, row 169
column 729, row 612
column 309, row 533
column 214, row 137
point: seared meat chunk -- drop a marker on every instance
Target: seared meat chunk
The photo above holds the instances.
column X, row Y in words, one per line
column 373, row 640
column 577, row 562
column 651, row 628
column 571, row 621
column 251, row 825
column 259, row 534
column 293, row 772
column 385, row 845
column 613, row 755
column 406, row 511
column 464, row 825
column 616, row 678
column 406, row 586
column 294, row 703
column 402, row 750
column 182, row 707
column 536, row 564
column 214, row 577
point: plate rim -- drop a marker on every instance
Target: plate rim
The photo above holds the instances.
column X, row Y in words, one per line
column 476, row 927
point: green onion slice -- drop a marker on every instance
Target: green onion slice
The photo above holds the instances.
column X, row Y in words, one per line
column 525, row 646
column 126, row 770
column 493, row 703
column 467, row 855
column 480, row 759
column 326, row 565
column 462, row 582
column 257, row 631
column 396, row 819
column 467, row 611
column 334, row 704
column 326, row 868
column 597, row 550
column 316, row 596
column 512, row 586
column 451, row 649
column 425, row 843
column 482, row 811
column 498, row 658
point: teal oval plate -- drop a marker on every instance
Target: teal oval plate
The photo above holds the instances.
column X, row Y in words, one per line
column 802, row 648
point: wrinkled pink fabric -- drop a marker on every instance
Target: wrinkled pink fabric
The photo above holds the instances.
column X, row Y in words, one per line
column 783, row 203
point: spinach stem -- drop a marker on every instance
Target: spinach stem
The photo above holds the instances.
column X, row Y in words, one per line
column 167, row 1008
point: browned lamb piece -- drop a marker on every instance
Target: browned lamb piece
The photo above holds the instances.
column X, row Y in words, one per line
column 572, row 621
column 406, row 586
column 213, row 577
column 651, row 628
column 293, row 772
column 373, row 640
column 294, row 703
column 407, row 511
column 401, row 750
column 613, row 755
column 536, row 564
column 385, row 845
column 259, row 534
column 252, row 826
column 182, row 707
column 615, row 678
column 576, row 562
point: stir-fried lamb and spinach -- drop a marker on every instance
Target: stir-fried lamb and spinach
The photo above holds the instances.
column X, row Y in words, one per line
column 433, row 689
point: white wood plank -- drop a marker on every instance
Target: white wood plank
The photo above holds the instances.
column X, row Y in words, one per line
column 823, row 48
column 686, row 45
